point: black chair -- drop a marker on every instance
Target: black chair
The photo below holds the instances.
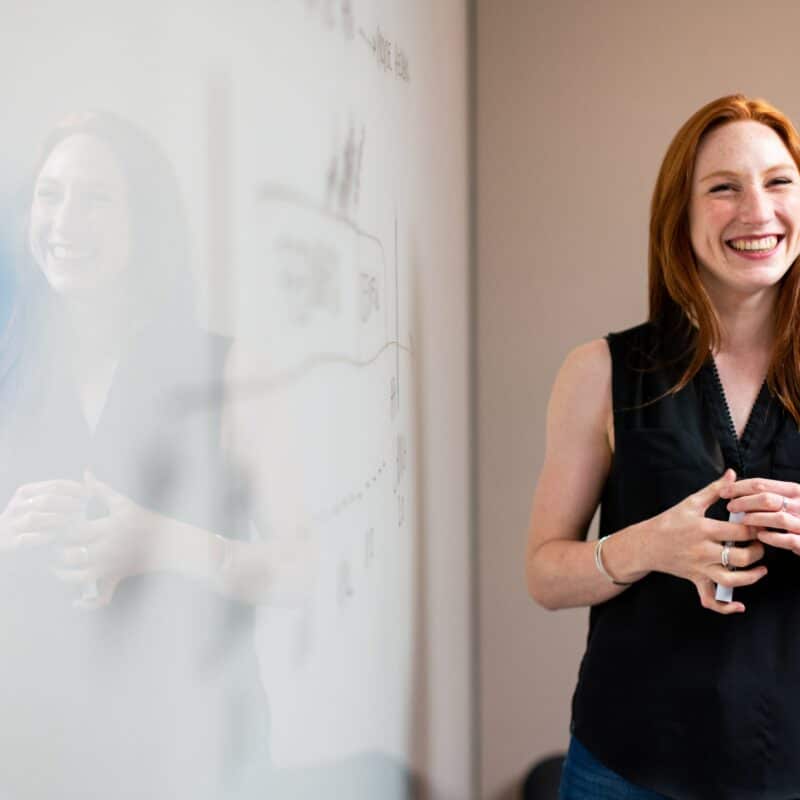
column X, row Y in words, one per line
column 543, row 779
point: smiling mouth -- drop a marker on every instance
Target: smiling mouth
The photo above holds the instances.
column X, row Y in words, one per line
column 69, row 252
column 762, row 244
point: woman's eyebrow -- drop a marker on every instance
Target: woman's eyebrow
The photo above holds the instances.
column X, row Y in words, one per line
column 81, row 184
column 726, row 173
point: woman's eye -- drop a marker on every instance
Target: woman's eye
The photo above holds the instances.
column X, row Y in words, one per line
column 98, row 199
column 781, row 181
column 47, row 195
column 721, row 187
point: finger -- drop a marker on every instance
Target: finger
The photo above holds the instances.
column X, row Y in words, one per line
column 760, row 485
column 706, row 590
column 773, row 519
column 786, row 541
column 721, row 531
column 763, row 501
column 709, row 495
column 58, row 487
column 739, row 557
column 34, row 521
column 743, row 557
column 31, row 540
column 75, row 576
column 734, row 579
column 55, row 504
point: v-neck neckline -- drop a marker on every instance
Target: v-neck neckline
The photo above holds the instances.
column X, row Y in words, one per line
column 93, row 411
column 738, row 446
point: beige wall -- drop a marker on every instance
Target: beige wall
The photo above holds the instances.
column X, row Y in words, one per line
column 577, row 102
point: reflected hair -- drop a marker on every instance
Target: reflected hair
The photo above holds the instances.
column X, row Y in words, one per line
column 679, row 303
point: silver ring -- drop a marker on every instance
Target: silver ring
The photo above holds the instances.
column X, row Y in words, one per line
column 84, row 550
column 726, row 552
column 785, row 506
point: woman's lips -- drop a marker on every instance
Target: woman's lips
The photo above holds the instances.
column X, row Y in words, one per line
column 69, row 252
column 759, row 252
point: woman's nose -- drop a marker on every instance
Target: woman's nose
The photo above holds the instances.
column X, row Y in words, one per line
column 756, row 206
column 69, row 216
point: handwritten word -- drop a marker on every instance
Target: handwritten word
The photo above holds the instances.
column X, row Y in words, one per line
column 308, row 277
column 389, row 57
column 343, row 177
column 369, row 299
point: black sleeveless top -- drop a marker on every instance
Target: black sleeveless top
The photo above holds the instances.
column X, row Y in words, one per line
column 158, row 694
column 676, row 698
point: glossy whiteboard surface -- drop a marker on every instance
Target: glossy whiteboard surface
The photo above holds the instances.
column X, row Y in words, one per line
column 294, row 422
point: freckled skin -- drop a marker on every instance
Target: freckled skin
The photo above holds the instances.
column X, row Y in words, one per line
column 757, row 199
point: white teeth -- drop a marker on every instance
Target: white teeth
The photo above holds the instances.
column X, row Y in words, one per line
column 767, row 243
column 67, row 252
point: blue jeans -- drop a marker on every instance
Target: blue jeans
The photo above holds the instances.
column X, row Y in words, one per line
column 583, row 777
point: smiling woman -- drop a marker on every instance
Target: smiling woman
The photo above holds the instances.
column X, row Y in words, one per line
column 682, row 694
column 79, row 231
column 125, row 635
column 744, row 221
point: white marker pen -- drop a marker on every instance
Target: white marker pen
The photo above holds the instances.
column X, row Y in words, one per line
column 725, row 593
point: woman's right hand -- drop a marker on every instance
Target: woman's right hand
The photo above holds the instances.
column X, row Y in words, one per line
column 688, row 545
column 39, row 512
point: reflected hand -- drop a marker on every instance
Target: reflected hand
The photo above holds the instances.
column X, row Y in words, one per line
column 689, row 545
column 108, row 550
column 38, row 512
column 768, row 503
column 279, row 571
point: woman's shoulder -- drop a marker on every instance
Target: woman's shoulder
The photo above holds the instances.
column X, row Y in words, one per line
column 592, row 359
column 589, row 361
column 582, row 385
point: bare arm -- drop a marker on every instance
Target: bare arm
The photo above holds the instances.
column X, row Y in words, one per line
column 560, row 567
column 279, row 571
column 132, row 540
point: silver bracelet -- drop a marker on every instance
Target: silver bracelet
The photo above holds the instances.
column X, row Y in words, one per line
column 598, row 560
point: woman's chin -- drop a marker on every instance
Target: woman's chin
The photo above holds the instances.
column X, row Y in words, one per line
column 75, row 281
column 69, row 285
column 746, row 283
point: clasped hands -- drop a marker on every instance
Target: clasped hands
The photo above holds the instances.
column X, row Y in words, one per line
column 100, row 552
column 690, row 545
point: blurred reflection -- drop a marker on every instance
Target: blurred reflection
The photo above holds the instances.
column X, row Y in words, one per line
column 127, row 564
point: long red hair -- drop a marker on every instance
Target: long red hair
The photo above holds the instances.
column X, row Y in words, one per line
column 679, row 302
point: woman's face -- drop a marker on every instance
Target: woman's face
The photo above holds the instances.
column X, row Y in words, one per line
column 79, row 224
column 744, row 212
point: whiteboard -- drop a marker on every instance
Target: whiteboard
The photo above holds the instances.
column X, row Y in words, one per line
column 321, row 147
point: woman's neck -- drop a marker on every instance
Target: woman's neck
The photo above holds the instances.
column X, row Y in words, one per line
column 747, row 323
column 98, row 330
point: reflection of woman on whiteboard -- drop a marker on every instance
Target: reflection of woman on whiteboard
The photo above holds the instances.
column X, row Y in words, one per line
column 671, row 426
column 123, row 674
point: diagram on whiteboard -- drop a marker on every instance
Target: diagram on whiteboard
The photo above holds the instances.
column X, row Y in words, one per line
column 322, row 384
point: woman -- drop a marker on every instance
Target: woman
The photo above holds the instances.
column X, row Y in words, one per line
column 679, row 694
column 128, row 667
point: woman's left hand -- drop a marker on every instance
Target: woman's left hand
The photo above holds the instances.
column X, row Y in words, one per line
column 768, row 503
column 100, row 553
